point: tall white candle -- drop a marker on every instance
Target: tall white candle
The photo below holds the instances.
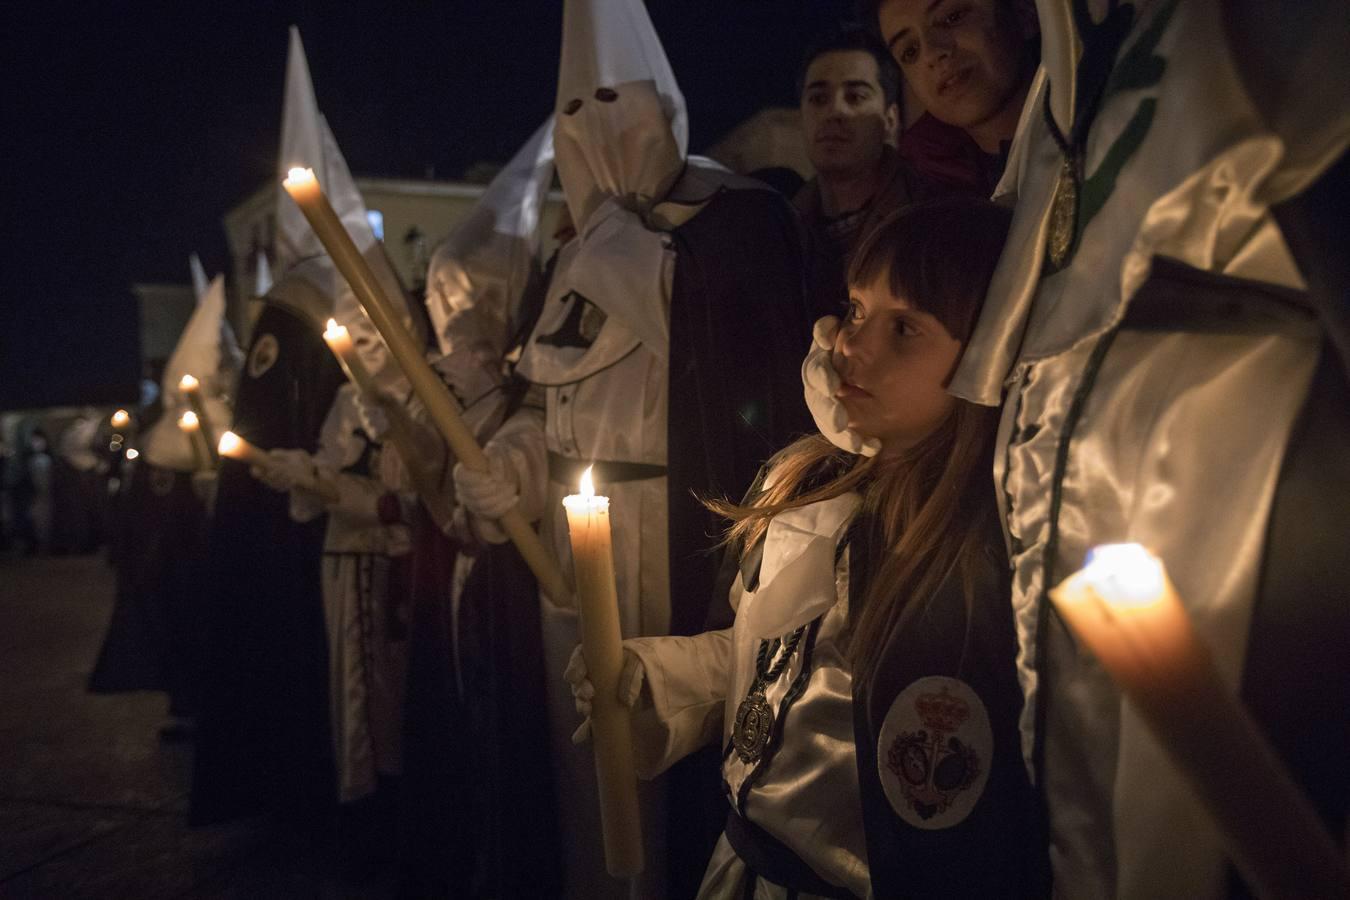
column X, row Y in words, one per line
column 1124, row 608
column 611, row 725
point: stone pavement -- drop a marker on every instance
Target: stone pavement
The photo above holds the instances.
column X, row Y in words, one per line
column 92, row 804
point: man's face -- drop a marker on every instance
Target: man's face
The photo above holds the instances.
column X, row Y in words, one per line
column 845, row 116
column 962, row 58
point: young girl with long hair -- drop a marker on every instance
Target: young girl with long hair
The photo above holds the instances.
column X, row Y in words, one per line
column 865, row 696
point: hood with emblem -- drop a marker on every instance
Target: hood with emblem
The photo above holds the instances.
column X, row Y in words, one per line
column 622, row 129
column 1184, row 130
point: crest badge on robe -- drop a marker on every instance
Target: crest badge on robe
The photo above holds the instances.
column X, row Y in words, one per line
column 934, row 752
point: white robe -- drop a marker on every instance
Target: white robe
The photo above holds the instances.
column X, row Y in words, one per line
column 807, row 794
column 366, row 658
column 1180, row 428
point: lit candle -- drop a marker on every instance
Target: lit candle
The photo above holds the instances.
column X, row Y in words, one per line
column 611, row 727
column 191, row 389
column 1124, row 608
column 121, row 419
column 190, row 427
column 339, row 340
column 402, row 430
column 441, row 406
column 235, row 447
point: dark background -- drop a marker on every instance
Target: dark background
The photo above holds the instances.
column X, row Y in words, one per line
column 130, row 128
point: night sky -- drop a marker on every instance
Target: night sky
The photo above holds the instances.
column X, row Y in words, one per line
column 129, row 129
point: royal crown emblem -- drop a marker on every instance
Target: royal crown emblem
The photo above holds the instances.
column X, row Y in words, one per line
column 941, row 711
column 934, row 751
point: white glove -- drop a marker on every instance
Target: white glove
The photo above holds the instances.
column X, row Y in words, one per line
column 285, row 469
column 487, row 495
column 631, row 678
column 821, row 381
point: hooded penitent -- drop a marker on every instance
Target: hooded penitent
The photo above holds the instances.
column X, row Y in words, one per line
column 208, row 352
column 479, row 273
column 657, row 341
column 1148, row 331
column 263, row 729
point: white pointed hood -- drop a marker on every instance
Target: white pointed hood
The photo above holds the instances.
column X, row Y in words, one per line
column 622, row 129
column 200, row 283
column 308, row 278
column 307, row 142
column 481, row 269
column 207, row 351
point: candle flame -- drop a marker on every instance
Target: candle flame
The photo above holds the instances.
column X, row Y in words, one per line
column 188, row 384
column 334, row 330
column 1125, row 574
column 298, row 176
column 120, row 418
column 132, row 453
column 229, row 444
column 587, row 486
column 188, row 421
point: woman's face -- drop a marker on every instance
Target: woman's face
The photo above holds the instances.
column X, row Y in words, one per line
column 962, row 59
column 894, row 361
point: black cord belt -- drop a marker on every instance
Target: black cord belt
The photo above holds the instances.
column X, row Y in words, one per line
column 567, row 471
column 768, row 858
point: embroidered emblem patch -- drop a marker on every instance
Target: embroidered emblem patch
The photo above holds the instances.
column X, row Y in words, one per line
column 263, row 356
column 934, row 751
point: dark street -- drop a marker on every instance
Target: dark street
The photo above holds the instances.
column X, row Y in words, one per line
column 92, row 803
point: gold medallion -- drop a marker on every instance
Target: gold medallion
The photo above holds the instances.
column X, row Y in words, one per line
column 754, row 723
column 1063, row 215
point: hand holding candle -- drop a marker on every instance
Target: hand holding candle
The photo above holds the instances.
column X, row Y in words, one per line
column 235, row 447
column 401, row 428
column 597, row 601
column 441, row 407
column 1125, row 609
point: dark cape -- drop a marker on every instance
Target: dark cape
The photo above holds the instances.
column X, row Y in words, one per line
column 153, row 640
column 479, row 817
column 1296, row 680
column 263, row 739
column 739, row 329
column 1000, row 848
